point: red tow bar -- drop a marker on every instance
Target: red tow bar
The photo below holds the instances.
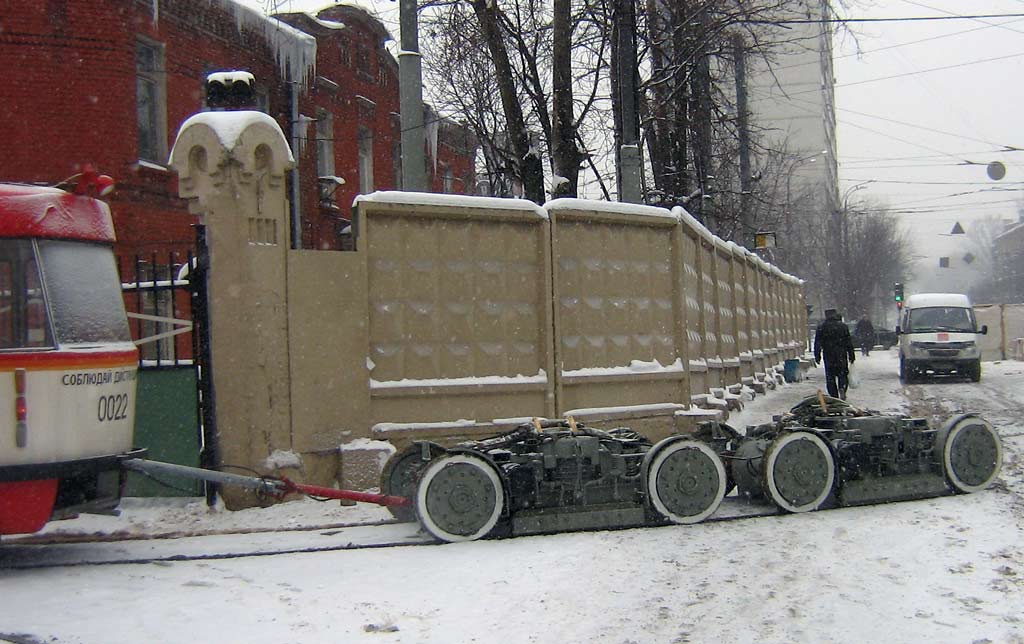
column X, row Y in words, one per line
column 348, row 495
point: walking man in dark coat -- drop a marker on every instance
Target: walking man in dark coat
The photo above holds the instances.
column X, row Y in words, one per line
column 865, row 332
column 832, row 338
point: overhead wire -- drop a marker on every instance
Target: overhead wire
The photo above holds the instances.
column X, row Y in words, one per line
column 961, row 160
column 899, row 45
column 826, row 21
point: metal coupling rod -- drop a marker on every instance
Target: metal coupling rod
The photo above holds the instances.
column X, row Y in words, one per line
column 270, row 487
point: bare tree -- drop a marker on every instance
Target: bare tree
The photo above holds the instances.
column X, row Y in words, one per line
column 544, row 63
column 868, row 251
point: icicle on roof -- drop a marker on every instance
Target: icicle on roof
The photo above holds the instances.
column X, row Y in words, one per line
column 295, row 50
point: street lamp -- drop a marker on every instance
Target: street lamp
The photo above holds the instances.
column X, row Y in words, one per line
column 852, row 189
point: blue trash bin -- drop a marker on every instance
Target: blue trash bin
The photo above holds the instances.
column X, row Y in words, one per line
column 791, row 370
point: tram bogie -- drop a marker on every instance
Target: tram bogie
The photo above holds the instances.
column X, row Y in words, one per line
column 555, row 475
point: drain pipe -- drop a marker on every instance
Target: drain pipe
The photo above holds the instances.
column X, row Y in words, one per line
column 295, row 204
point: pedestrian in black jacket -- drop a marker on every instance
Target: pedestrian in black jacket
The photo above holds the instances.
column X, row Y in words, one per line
column 832, row 339
column 865, row 332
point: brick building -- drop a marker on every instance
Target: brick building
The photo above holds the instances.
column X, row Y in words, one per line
column 109, row 83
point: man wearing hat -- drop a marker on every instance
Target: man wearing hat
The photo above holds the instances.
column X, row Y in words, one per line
column 832, row 338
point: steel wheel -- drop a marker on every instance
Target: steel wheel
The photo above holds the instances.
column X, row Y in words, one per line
column 685, row 481
column 399, row 475
column 799, row 471
column 972, row 453
column 459, row 497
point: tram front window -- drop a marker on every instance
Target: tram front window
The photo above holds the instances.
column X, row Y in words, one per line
column 24, row 322
column 84, row 292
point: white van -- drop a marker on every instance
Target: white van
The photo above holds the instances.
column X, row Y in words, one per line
column 938, row 335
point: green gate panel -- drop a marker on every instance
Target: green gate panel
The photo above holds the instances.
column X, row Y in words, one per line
column 167, row 424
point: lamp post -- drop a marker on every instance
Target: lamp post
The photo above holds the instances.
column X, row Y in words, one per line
column 794, row 165
column 839, row 260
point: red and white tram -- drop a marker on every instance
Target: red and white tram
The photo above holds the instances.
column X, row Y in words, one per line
column 67, row 361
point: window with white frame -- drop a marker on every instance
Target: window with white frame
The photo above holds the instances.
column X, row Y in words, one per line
column 325, row 157
column 151, row 101
column 448, row 178
column 365, row 160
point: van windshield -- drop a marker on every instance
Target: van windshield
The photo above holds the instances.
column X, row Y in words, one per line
column 941, row 318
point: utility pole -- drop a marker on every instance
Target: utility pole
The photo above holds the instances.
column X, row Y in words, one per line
column 747, row 227
column 628, row 152
column 410, row 80
column 700, row 96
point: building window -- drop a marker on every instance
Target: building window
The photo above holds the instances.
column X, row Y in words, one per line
column 325, row 157
column 363, row 61
column 943, row 262
column 448, row 178
column 345, row 52
column 151, row 101
column 365, row 160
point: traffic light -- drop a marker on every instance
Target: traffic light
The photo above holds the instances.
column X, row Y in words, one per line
column 897, row 294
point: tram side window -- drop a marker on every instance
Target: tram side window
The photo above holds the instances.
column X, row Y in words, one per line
column 23, row 318
column 85, row 292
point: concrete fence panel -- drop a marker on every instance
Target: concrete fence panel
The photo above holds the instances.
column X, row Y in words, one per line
column 1013, row 331
column 712, row 320
column 992, row 343
column 459, row 313
column 726, row 292
column 693, row 317
column 619, row 305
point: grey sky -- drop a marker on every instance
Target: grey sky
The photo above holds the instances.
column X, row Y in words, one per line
column 923, row 138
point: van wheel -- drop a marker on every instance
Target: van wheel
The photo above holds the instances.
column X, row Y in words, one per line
column 903, row 370
column 974, row 371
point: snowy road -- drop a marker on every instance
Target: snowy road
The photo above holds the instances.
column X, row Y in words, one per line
column 942, row 570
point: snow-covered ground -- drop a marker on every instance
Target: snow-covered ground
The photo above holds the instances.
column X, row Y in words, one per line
column 949, row 569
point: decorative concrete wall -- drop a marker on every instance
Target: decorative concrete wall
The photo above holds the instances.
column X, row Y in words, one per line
column 458, row 316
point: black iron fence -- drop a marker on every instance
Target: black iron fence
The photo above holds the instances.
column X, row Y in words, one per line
column 159, row 301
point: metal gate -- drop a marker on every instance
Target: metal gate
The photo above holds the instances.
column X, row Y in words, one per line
column 165, row 300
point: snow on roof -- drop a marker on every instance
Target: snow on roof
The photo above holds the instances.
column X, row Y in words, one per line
column 617, row 207
column 375, row 16
column 451, row 201
column 1009, row 231
column 228, row 77
column 229, row 126
column 36, row 211
column 329, row 24
column 294, row 49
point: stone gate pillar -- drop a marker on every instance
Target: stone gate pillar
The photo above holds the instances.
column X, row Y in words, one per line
column 231, row 168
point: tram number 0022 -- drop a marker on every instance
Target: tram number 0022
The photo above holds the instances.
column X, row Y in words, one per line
column 112, row 407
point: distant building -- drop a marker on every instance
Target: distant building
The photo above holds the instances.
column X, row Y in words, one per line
column 792, row 114
column 792, row 103
column 109, row 83
column 1009, row 264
